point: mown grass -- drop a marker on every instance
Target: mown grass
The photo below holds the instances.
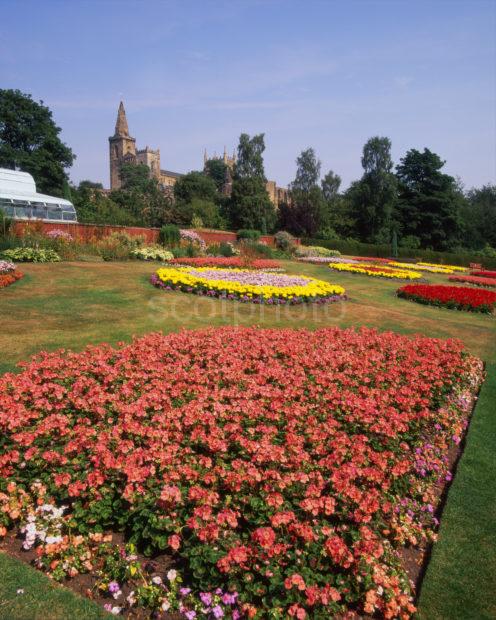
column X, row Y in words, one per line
column 71, row 305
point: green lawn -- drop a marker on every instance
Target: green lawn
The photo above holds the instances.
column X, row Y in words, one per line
column 74, row 304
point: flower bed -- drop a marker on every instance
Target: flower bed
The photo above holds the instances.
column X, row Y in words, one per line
column 376, row 271
column 31, row 255
column 6, row 267
column 484, row 274
column 287, row 467
column 152, row 252
column 454, row 297
column 265, row 264
column 325, row 260
column 372, row 259
column 247, row 285
column 450, row 267
column 6, row 279
column 59, row 234
column 490, row 282
column 421, row 267
column 314, row 250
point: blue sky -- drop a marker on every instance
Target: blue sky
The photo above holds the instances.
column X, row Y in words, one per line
column 197, row 73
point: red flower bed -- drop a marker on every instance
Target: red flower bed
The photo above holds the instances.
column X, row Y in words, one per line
column 289, row 465
column 474, row 280
column 484, row 274
column 232, row 262
column 455, row 297
column 9, row 278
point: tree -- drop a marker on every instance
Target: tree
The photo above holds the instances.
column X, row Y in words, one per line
column 142, row 197
column 478, row 216
column 250, row 205
column 195, row 185
column 307, row 211
column 330, row 186
column 216, row 170
column 307, row 171
column 250, row 162
column 429, row 201
column 29, row 141
column 372, row 199
column 94, row 207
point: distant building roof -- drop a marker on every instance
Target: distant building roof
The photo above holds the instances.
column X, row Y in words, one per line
column 169, row 173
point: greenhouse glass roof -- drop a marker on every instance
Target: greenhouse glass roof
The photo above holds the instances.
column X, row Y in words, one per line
column 20, row 200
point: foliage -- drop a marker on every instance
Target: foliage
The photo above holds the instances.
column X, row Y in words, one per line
column 249, row 163
column 284, row 241
column 478, row 215
column 453, row 297
column 169, row 235
column 207, row 212
column 429, row 201
column 152, row 252
column 195, row 185
column 297, row 463
column 29, row 141
column 315, row 250
column 216, row 169
column 94, row 207
column 307, row 210
column 224, row 248
column 248, row 233
column 372, row 199
column 330, row 186
column 192, row 238
column 31, row 255
column 118, row 246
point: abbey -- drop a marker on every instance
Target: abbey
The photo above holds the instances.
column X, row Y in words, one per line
column 122, row 149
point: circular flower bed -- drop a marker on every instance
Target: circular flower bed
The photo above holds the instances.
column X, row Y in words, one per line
column 227, row 262
column 454, row 297
column 376, row 271
column 247, row 285
column 284, row 467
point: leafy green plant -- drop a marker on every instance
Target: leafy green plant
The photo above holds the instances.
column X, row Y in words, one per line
column 152, row 252
column 249, row 234
column 284, row 241
column 31, row 255
column 169, row 235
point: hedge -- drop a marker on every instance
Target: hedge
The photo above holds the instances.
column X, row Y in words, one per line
column 384, row 251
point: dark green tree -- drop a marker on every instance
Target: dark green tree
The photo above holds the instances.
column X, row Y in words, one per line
column 249, row 205
column 478, row 215
column 372, row 199
column 29, row 141
column 195, row 185
column 330, row 186
column 307, row 211
column 142, row 197
column 250, row 163
column 429, row 201
column 216, row 170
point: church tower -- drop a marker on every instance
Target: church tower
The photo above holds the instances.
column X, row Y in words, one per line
column 122, row 147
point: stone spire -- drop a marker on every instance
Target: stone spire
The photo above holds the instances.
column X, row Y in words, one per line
column 121, row 128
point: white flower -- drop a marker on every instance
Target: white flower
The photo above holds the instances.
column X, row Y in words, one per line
column 131, row 599
column 165, row 605
column 116, row 610
column 172, row 574
column 157, row 580
column 20, row 591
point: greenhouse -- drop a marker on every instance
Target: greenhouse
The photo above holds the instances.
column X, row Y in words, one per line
column 19, row 200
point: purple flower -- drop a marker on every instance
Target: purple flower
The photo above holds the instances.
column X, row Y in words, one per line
column 113, row 587
column 184, row 591
column 229, row 599
column 206, row 598
column 217, row 611
column 190, row 614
